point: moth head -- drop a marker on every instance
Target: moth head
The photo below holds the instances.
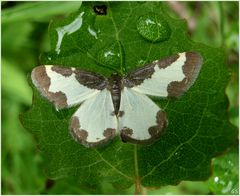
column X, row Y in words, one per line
column 115, row 77
column 115, row 74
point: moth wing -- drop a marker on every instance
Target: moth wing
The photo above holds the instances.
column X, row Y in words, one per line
column 66, row 86
column 168, row 77
column 95, row 122
column 141, row 120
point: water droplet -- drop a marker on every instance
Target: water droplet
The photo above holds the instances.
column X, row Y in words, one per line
column 47, row 58
column 216, row 179
column 153, row 27
column 92, row 32
column 67, row 30
column 111, row 55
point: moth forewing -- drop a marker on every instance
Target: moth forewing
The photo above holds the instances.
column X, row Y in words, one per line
column 65, row 86
column 167, row 77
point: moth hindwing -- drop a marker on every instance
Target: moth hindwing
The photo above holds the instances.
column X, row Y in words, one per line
column 109, row 104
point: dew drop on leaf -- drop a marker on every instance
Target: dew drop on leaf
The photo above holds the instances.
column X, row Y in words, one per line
column 47, row 57
column 153, row 27
column 111, row 55
column 92, row 32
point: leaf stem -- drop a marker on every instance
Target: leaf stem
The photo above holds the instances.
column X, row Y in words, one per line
column 138, row 187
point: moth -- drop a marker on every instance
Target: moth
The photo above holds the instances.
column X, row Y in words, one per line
column 117, row 105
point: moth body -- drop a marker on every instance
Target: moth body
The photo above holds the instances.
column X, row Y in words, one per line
column 115, row 87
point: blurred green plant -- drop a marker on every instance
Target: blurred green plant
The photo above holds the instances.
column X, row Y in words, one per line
column 24, row 37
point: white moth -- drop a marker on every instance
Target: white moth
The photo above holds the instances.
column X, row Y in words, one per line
column 117, row 104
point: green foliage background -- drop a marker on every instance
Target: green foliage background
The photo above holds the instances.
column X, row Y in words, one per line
column 25, row 36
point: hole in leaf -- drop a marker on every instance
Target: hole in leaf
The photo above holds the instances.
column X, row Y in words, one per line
column 100, row 9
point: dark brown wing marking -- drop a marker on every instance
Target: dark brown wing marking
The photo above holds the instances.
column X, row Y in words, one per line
column 191, row 70
column 88, row 79
column 91, row 80
column 81, row 135
column 155, row 131
column 137, row 76
column 42, row 82
column 64, row 71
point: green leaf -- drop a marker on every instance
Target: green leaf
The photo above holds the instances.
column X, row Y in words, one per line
column 73, row 186
column 37, row 11
column 19, row 155
column 19, row 93
column 225, row 179
column 198, row 127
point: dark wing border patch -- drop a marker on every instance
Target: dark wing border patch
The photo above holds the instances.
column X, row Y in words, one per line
column 137, row 76
column 155, row 131
column 80, row 135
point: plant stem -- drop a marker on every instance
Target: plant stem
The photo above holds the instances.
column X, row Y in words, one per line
column 138, row 187
column 220, row 6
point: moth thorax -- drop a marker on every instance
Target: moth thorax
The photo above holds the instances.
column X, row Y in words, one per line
column 115, row 83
